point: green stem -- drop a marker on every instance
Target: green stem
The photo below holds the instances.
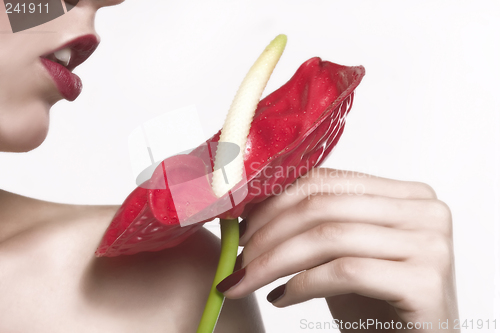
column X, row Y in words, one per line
column 229, row 251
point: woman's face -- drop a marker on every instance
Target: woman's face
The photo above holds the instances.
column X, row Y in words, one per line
column 36, row 71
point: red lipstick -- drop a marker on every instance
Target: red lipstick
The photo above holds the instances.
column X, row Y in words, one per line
column 69, row 84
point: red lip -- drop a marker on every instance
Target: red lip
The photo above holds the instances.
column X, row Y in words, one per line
column 69, row 84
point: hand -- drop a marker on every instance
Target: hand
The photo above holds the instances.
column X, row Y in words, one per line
column 374, row 248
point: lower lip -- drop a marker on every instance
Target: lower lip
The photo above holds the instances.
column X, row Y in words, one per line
column 68, row 84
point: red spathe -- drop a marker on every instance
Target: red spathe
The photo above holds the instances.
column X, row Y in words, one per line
column 293, row 131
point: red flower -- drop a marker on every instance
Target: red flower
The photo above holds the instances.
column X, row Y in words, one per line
column 293, row 131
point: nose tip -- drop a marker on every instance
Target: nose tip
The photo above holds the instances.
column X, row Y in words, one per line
column 108, row 3
column 70, row 4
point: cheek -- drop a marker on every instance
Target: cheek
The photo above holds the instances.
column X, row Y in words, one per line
column 23, row 129
column 24, row 104
column 4, row 19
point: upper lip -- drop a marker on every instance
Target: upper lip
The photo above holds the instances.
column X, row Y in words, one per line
column 81, row 48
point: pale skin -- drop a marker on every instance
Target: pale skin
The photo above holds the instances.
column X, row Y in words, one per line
column 386, row 254
column 375, row 248
column 50, row 280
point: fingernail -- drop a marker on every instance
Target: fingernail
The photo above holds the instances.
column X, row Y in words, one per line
column 231, row 281
column 243, row 227
column 276, row 294
column 237, row 264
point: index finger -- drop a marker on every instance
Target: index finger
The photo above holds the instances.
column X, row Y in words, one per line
column 330, row 181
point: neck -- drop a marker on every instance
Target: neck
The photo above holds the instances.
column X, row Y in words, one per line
column 19, row 213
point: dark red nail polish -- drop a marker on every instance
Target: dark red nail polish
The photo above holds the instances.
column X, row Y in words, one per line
column 231, row 281
column 276, row 294
column 243, row 227
column 237, row 264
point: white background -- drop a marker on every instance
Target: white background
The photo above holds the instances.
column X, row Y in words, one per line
column 427, row 109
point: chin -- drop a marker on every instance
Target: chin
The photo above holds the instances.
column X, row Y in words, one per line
column 23, row 130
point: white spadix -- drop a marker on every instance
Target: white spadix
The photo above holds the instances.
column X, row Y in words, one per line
column 240, row 116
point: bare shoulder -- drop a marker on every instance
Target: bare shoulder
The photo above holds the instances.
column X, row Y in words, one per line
column 51, row 273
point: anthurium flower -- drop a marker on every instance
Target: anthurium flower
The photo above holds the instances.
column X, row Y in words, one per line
column 293, row 130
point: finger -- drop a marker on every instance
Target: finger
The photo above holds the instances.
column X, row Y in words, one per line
column 322, row 244
column 374, row 278
column 370, row 209
column 333, row 182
